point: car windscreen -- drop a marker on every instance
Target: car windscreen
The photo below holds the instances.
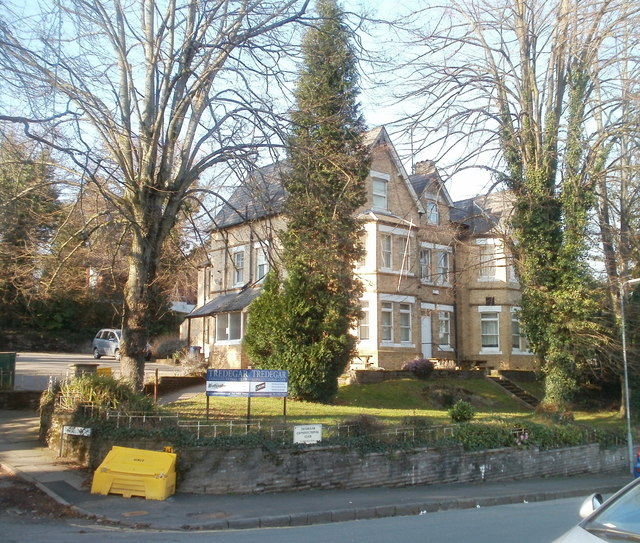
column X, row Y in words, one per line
column 618, row 519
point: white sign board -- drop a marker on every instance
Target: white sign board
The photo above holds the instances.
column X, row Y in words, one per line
column 247, row 383
column 307, row 433
column 76, row 431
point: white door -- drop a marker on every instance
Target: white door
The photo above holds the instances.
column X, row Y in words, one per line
column 426, row 337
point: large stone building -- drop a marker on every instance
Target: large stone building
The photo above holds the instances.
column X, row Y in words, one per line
column 438, row 282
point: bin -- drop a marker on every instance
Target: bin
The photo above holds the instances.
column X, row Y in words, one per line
column 105, row 372
column 136, row 472
column 7, row 370
column 81, row 369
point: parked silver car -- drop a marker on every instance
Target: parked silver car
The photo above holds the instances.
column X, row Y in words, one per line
column 617, row 519
column 107, row 343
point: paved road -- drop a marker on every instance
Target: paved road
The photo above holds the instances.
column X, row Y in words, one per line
column 33, row 370
column 539, row 522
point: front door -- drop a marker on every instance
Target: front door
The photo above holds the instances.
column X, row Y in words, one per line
column 426, row 337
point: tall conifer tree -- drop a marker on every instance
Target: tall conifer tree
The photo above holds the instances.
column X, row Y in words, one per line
column 303, row 322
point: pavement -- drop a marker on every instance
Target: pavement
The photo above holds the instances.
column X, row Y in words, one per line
column 69, row 484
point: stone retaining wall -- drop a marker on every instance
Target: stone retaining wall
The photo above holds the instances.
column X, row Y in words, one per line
column 20, row 399
column 248, row 471
column 206, row 470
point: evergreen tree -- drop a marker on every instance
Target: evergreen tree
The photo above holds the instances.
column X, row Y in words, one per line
column 316, row 304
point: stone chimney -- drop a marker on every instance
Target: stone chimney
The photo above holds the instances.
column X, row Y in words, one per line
column 424, row 167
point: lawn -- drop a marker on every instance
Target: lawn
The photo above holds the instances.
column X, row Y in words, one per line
column 391, row 402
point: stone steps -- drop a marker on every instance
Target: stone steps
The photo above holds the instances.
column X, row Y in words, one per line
column 515, row 391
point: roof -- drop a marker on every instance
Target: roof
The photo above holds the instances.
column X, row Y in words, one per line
column 236, row 301
column 260, row 195
column 484, row 213
column 427, row 178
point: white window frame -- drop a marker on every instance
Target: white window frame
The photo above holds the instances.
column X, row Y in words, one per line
column 405, row 322
column 425, row 265
column 443, row 271
column 487, row 258
column 444, row 330
column 364, row 332
column 386, row 322
column 386, row 251
column 380, row 190
column 489, row 315
column 238, row 266
column 433, row 213
column 404, row 254
column 519, row 345
column 262, row 263
column 226, row 324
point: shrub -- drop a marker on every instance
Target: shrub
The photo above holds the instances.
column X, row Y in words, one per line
column 363, row 425
column 194, row 365
column 167, row 347
column 420, row 367
column 476, row 437
column 98, row 390
column 462, row 411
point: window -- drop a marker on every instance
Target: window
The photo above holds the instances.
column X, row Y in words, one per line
column 405, row 322
column 362, row 261
column 443, row 267
column 433, row 214
column 380, row 187
column 487, row 261
column 363, row 323
column 229, row 326
column 404, row 254
column 444, row 328
column 387, row 321
column 518, row 339
column 262, row 266
column 425, row 264
column 238, row 267
column 489, row 330
column 386, row 251
column 511, row 268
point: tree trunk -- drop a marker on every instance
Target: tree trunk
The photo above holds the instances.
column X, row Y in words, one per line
column 143, row 271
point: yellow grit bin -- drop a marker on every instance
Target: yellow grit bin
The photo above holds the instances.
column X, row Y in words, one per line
column 136, row 472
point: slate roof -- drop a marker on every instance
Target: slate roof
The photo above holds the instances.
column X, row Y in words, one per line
column 484, row 213
column 260, row 195
column 234, row 301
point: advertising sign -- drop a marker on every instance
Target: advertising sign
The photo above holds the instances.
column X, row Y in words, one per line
column 248, row 383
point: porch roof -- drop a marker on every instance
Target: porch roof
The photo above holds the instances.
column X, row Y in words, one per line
column 234, row 301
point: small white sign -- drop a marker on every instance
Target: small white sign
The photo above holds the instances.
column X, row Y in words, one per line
column 307, row 433
column 76, row 431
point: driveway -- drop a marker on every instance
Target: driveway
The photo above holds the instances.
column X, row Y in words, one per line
column 34, row 370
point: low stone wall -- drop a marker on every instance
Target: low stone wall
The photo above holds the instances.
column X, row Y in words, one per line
column 249, row 471
column 367, row 377
column 206, row 470
column 20, row 399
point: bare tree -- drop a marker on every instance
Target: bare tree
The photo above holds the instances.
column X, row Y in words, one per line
column 143, row 98
column 511, row 86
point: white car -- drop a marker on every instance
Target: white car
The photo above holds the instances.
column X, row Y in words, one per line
column 107, row 343
column 617, row 519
